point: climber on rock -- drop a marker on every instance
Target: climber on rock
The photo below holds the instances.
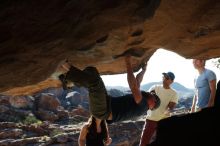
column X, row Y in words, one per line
column 102, row 105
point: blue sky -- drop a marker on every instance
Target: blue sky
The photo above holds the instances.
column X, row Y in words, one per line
column 164, row 61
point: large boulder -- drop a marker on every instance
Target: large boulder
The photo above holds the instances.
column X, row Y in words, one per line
column 74, row 98
column 47, row 102
column 199, row 128
column 21, row 101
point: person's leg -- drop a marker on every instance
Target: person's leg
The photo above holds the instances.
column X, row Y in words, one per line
column 147, row 132
column 99, row 101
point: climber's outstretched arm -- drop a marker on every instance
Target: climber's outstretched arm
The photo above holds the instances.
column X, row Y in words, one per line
column 132, row 82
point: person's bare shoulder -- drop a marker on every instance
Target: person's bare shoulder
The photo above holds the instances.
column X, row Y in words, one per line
column 85, row 126
column 83, row 132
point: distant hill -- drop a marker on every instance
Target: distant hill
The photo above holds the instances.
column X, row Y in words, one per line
column 181, row 90
column 179, row 87
column 121, row 88
column 147, row 86
column 175, row 85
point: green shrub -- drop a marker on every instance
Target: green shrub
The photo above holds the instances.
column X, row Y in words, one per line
column 31, row 119
column 56, row 132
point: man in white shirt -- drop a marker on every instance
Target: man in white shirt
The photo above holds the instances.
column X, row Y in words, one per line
column 169, row 99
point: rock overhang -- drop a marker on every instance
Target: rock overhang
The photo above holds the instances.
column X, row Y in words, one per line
column 37, row 35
